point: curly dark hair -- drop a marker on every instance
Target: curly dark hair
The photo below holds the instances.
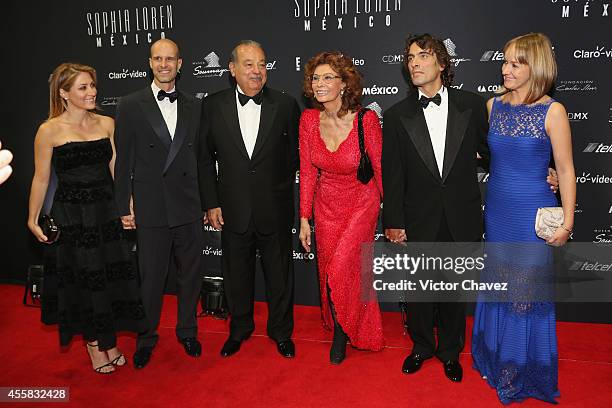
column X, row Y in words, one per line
column 437, row 47
column 344, row 67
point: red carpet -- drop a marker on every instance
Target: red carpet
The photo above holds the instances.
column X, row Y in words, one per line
column 258, row 377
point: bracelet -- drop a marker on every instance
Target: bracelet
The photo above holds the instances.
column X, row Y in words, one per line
column 568, row 230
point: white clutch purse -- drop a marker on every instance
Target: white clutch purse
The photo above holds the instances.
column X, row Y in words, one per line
column 547, row 220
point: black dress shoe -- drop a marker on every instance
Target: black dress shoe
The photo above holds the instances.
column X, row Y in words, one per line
column 230, row 347
column 286, row 348
column 453, row 370
column 192, row 346
column 142, row 356
column 413, row 363
column 337, row 353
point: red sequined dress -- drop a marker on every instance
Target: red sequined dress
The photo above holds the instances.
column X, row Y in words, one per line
column 345, row 216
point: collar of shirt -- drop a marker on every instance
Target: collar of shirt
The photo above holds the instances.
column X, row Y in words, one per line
column 156, row 90
column 249, row 103
column 443, row 94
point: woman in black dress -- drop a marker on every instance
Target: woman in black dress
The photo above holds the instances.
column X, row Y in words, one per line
column 91, row 286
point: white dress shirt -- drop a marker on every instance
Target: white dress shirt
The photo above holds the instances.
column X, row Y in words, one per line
column 436, row 118
column 248, row 116
column 167, row 108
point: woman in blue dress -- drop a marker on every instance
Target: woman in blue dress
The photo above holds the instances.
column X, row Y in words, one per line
column 514, row 344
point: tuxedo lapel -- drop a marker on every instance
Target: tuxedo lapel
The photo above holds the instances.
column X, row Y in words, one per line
column 415, row 125
column 456, row 125
column 230, row 113
column 155, row 118
column 268, row 112
column 183, row 122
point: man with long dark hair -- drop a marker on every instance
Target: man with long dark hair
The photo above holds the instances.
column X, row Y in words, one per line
column 430, row 145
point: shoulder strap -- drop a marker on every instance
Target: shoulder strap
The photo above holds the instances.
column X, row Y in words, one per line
column 360, row 115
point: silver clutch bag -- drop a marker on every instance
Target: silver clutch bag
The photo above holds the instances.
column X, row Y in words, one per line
column 548, row 219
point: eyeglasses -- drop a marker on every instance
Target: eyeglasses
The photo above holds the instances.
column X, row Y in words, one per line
column 327, row 78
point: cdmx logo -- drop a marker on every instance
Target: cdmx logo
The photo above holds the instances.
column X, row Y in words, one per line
column 393, row 59
column 489, row 88
column 577, row 116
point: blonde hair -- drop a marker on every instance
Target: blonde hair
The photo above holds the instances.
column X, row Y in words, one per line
column 535, row 50
column 63, row 77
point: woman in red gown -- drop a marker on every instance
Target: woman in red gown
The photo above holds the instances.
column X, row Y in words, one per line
column 345, row 210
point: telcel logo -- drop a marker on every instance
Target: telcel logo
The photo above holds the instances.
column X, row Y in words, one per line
column 492, row 55
column 596, row 147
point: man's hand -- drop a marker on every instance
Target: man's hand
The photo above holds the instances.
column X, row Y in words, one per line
column 215, row 217
column 205, row 218
column 396, row 235
column 128, row 221
column 553, row 180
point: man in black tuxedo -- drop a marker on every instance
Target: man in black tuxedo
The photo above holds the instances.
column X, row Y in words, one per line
column 430, row 145
column 251, row 133
column 157, row 191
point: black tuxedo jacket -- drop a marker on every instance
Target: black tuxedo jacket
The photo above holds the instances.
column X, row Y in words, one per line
column 257, row 189
column 416, row 197
column 160, row 173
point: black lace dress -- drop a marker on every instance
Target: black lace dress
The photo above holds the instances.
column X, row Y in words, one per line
column 91, row 284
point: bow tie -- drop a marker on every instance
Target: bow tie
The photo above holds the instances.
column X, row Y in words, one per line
column 244, row 99
column 172, row 96
column 424, row 101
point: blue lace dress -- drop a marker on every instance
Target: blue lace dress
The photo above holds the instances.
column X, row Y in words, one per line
column 91, row 283
column 514, row 342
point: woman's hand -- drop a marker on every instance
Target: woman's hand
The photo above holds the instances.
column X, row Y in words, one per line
column 305, row 234
column 559, row 238
column 37, row 231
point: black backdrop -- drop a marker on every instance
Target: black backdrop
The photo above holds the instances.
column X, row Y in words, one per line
column 115, row 39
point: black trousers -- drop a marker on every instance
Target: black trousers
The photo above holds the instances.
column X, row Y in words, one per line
column 450, row 320
column 157, row 247
column 238, row 265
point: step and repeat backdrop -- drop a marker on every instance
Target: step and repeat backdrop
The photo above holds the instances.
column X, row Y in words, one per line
column 115, row 36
